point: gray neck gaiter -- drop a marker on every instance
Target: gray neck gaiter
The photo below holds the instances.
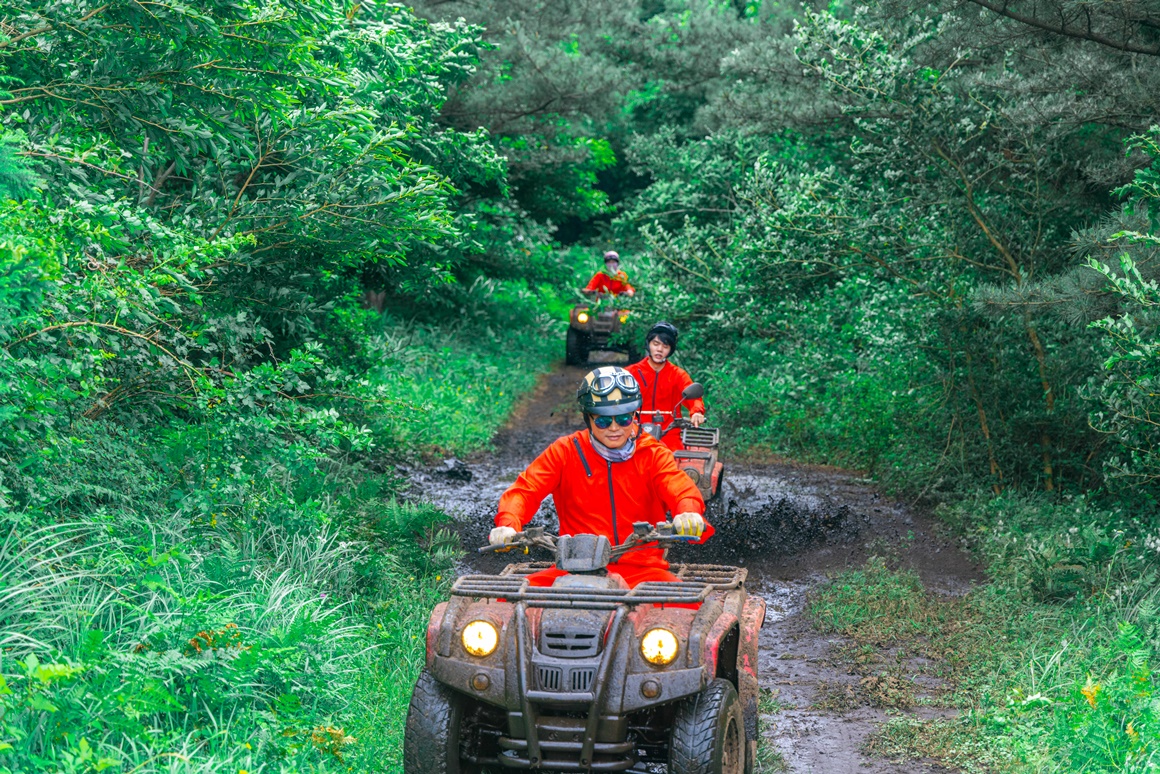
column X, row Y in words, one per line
column 614, row 455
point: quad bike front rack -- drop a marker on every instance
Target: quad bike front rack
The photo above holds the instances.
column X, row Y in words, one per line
column 694, row 584
column 700, row 436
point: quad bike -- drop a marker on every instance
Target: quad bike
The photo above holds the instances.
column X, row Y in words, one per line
column 591, row 330
column 699, row 457
column 588, row 674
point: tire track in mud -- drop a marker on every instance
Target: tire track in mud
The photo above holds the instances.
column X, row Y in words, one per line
column 791, row 525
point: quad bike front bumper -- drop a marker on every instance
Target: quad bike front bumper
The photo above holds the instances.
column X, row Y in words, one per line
column 568, row 702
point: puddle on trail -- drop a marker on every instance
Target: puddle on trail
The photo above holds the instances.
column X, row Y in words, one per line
column 790, row 525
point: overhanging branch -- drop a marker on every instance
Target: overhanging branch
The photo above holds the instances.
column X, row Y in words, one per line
column 1067, row 27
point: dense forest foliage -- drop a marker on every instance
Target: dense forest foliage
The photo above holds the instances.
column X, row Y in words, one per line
column 257, row 255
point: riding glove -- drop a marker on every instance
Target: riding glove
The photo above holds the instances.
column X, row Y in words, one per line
column 689, row 524
column 500, row 536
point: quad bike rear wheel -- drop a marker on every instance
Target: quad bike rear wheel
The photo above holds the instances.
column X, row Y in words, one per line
column 708, row 735
column 431, row 740
column 576, row 349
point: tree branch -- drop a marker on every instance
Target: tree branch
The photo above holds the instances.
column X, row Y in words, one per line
column 49, row 28
column 1062, row 27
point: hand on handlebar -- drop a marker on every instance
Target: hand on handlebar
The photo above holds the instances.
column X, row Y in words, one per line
column 690, row 524
column 697, row 419
column 501, row 536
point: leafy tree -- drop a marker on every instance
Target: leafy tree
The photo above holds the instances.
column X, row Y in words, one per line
column 289, row 122
column 1124, row 253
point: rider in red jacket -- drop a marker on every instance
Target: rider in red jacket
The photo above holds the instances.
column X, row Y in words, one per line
column 605, row 478
column 612, row 279
column 661, row 383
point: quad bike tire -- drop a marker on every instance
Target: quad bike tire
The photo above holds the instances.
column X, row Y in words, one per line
column 431, row 737
column 708, row 735
column 576, row 348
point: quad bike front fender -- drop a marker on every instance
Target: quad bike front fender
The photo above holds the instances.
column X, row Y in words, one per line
column 752, row 619
column 479, row 681
column 718, row 634
column 481, row 678
column 672, row 684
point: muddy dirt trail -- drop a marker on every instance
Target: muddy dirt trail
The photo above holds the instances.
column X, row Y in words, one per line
column 792, row 526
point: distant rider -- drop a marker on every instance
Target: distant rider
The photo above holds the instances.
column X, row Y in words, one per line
column 612, row 280
column 661, row 383
column 603, row 479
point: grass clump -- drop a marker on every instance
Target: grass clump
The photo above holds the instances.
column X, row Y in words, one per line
column 769, row 758
column 960, row 743
column 876, row 605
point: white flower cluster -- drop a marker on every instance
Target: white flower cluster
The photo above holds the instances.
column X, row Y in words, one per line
column 1152, row 542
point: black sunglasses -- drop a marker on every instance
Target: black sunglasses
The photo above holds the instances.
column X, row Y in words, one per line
column 624, row 420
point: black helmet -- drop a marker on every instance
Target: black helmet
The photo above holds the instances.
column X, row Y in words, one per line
column 666, row 332
column 608, row 391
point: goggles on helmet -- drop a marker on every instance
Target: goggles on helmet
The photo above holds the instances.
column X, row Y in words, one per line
column 605, row 383
column 608, row 391
column 624, row 420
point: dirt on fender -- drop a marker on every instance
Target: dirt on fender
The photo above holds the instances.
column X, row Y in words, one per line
column 792, row 526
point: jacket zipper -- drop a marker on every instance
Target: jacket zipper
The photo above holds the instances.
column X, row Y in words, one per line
column 583, row 459
column 656, row 381
column 612, row 502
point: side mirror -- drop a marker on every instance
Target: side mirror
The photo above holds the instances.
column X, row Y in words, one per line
column 693, row 391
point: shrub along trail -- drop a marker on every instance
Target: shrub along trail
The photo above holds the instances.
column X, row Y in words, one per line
column 825, row 695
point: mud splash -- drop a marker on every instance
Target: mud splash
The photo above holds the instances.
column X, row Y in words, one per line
column 791, row 525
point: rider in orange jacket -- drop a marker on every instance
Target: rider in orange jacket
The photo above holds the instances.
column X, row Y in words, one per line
column 661, row 383
column 612, row 279
column 605, row 478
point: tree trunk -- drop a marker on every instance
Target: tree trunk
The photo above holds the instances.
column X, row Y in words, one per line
column 996, row 471
column 1049, row 398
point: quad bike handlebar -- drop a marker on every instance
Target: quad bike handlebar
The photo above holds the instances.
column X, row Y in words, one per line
column 691, row 392
column 643, row 533
column 678, row 423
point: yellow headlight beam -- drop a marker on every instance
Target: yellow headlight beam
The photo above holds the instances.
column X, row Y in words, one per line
column 659, row 647
column 582, row 317
column 480, row 638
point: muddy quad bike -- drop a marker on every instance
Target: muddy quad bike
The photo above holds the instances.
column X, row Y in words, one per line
column 588, row 674
column 592, row 330
column 699, row 457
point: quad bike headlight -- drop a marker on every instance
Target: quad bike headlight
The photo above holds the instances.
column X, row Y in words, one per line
column 659, row 646
column 582, row 317
column 480, row 638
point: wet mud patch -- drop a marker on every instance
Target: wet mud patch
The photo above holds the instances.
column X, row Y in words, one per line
column 781, row 527
column 821, row 714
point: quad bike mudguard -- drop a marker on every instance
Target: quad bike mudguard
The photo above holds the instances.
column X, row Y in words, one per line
column 567, row 688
